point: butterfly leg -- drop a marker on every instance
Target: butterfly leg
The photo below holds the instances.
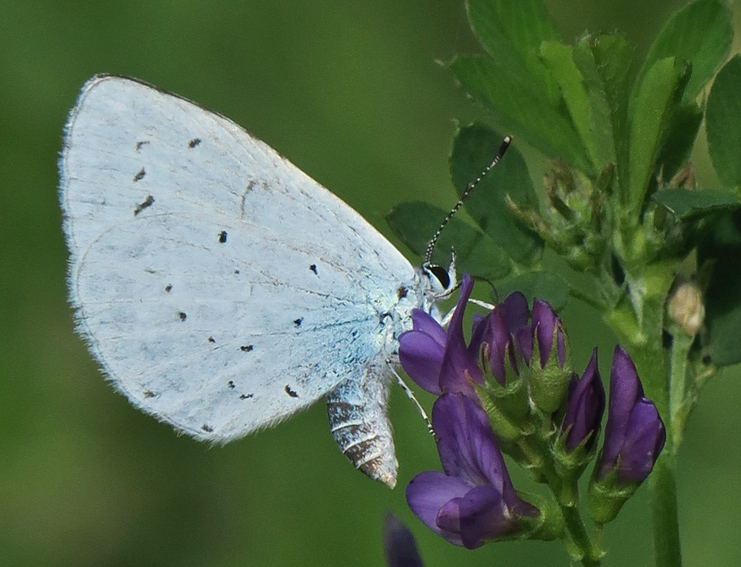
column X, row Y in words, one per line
column 410, row 394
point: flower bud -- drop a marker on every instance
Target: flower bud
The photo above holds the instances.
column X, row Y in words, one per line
column 634, row 437
column 586, row 405
column 575, row 446
column 685, row 307
column 550, row 366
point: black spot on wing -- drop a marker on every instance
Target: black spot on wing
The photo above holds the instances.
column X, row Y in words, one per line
column 290, row 392
column 246, row 348
column 222, row 236
column 313, row 268
column 139, row 176
column 194, row 142
column 298, row 321
column 182, row 316
column 145, row 204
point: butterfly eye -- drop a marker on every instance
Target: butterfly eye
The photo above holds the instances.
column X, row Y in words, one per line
column 439, row 277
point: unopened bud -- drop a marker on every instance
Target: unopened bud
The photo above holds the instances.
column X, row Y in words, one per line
column 686, row 307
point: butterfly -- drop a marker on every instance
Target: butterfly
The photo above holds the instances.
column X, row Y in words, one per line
column 220, row 288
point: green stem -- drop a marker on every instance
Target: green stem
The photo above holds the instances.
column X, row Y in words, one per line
column 680, row 349
column 597, row 546
column 579, row 536
column 645, row 347
column 665, row 518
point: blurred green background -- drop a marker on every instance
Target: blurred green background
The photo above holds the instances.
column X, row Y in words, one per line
column 351, row 93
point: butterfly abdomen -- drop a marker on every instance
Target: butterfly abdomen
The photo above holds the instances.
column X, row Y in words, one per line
column 360, row 426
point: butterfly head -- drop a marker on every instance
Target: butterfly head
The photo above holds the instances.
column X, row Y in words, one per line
column 442, row 281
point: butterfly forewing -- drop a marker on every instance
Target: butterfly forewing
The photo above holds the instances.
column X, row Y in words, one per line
column 220, row 287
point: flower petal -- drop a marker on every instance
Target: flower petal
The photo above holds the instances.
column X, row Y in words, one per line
column 585, row 407
column 494, row 333
column 428, row 492
column 421, row 357
column 466, row 443
column 546, row 322
column 524, row 341
column 459, row 365
column 625, row 391
column 484, row 515
column 449, row 516
column 514, row 312
column 643, row 442
column 426, row 323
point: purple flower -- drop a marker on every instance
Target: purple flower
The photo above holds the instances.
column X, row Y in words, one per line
column 439, row 361
column 473, row 500
column 585, row 407
column 634, row 434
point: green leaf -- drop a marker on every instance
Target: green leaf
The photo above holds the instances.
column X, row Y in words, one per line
column 521, row 25
column 473, row 149
column 415, row 223
column 654, row 103
column 518, row 102
column 543, row 285
column 511, row 31
column 685, row 203
column 679, row 138
column 559, row 59
column 723, row 123
column 700, row 33
column 605, row 62
column 723, row 296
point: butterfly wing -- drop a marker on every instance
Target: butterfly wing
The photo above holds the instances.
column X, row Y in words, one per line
column 220, row 288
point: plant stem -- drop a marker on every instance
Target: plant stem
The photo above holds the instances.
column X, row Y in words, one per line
column 678, row 413
column 665, row 519
column 650, row 358
column 579, row 536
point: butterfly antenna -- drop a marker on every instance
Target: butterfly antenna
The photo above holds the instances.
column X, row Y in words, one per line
column 466, row 194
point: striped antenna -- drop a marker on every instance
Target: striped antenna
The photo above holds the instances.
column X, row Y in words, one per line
column 466, row 194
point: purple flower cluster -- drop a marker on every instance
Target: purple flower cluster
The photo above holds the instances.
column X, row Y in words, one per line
column 473, row 500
